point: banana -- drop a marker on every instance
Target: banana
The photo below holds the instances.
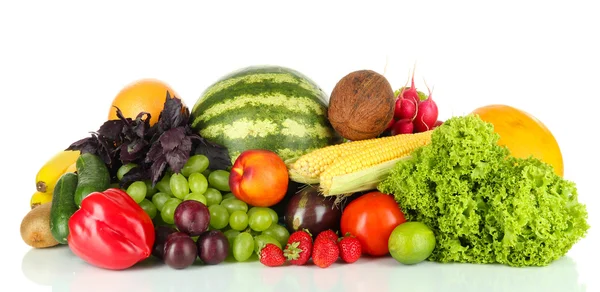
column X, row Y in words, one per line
column 39, row 198
column 72, row 168
column 48, row 175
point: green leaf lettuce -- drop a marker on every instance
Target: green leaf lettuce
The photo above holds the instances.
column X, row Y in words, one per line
column 484, row 205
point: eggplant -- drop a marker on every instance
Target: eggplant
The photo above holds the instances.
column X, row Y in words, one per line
column 308, row 209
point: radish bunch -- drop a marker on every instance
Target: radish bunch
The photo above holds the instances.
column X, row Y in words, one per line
column 411, row 114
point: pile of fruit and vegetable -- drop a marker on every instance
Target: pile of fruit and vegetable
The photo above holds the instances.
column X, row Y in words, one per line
column 268, row 167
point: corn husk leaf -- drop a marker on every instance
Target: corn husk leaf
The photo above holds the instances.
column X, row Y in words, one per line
column 362, row 180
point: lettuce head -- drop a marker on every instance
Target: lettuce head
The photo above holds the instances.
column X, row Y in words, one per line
column 484, row 205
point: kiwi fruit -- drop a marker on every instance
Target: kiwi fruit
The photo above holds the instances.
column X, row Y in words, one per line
column 35, row 227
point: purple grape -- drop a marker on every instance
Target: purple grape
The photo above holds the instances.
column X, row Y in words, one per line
column 180, row 251
column 161, row 233
column 192, row 217
column 213, row 247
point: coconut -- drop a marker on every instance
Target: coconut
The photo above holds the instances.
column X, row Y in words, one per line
column 361, row 105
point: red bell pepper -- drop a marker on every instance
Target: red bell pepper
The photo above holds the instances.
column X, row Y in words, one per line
column 111, row 230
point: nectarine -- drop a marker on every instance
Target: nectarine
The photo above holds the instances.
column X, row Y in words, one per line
column 259, row 178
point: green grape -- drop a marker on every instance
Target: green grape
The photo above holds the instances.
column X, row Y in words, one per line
column 196, row 163
column 261, row 240
column 219, row 179
column 137, row 191
column 206, row 172
column 125, row 168
column 149, row 208
column 252, row 210
column 196, row 197
column 219, row 217
column 260, row 220
column 197, row 183
column 238, row 220
column 179, row 186
column 163, row 187
column 228, row 196
column 231, row 235
column 243, row 246
column 234, row 205
column 168, row 210
column 274, row 216
column 159, row 200
column 213, row 197
column 168, row 173
column 280, row 233
column 150, row 191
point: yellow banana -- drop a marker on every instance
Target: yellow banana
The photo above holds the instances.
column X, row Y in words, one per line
column 72, row 168
column 39, row 198
column 48, row 175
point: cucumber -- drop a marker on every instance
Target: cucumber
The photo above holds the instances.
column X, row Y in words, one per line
column 63, row 206
column 93, row 176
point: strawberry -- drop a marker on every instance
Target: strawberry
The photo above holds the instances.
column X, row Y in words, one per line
column 327, row 234
column 299, row 247
column 325, row 252
column 271, row 255
column 350, row 249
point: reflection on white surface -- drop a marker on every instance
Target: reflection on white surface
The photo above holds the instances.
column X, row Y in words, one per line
column 63, row 271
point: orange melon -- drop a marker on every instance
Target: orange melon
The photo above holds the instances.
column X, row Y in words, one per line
column 523, row 134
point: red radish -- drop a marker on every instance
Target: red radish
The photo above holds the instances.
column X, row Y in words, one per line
column 437, row 124
column 411, row 93
column 398, row 107
column 408, row 99
column 404, row 126
column 390, row 124
column 408, row 109
column 427, row 114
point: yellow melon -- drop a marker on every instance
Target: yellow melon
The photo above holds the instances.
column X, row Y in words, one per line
column 523, row 134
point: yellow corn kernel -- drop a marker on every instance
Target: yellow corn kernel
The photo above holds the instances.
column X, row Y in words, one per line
column 387, row 150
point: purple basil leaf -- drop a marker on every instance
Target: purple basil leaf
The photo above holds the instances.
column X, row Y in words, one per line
column 154, row 153
column 142, row 123
column 89, row 148
column 120, row 115
column 104, row 150
column 135, row 174
column 78, row 145
column 157, row 168
column 216, row 154
column 186, row 145
column 171, row 115
column 132, row 151
column 111, row 129
column 176, row 159
column 172, row 138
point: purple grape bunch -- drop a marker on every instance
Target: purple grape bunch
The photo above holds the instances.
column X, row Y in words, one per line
column 176, row 246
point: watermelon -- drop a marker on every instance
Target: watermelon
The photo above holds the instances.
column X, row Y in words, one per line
column 265, row 107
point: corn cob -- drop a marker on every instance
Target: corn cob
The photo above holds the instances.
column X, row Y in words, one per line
column 308, row 167
column 363, row 170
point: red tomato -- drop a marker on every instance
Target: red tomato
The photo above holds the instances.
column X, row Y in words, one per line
column 371, row 218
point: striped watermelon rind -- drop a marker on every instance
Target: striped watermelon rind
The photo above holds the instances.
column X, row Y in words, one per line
column 265, row 107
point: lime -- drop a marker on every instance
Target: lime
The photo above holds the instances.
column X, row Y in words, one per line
column 411, row 242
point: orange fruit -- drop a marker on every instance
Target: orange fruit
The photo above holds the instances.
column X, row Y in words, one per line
column 144, row 95
column 523, row 134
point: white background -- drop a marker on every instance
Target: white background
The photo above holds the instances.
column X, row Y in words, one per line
column 61, row 64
